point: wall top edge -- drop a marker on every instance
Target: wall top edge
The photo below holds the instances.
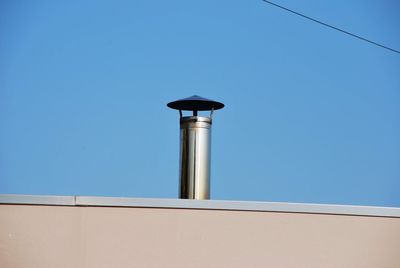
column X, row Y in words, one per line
column 97, row 201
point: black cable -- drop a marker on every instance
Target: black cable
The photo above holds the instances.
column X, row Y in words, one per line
column 333, row 27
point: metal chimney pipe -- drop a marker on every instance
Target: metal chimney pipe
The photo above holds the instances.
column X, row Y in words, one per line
column 195, row 149
column 195, row 146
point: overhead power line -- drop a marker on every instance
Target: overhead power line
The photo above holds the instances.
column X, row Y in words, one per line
column 332, row 27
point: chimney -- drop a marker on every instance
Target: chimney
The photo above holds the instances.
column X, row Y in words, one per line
column 195, row 146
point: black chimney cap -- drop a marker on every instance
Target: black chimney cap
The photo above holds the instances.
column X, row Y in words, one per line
column 195, row 103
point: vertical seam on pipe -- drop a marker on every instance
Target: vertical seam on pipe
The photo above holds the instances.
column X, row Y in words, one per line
column 194, row 166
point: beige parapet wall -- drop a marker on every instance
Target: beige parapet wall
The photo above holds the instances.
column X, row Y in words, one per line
column 113, row 232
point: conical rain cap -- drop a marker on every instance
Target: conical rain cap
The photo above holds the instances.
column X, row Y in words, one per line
column 195, row 103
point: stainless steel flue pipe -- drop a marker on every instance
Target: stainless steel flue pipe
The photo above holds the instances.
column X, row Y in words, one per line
column 195, row 152
column 195, row 146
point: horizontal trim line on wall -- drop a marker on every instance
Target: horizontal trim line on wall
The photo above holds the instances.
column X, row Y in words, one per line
column 97, row 201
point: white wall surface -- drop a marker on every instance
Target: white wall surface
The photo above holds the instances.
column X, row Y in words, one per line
column 95, row 237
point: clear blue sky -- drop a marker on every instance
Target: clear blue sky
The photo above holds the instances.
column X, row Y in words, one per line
column 312, row 115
